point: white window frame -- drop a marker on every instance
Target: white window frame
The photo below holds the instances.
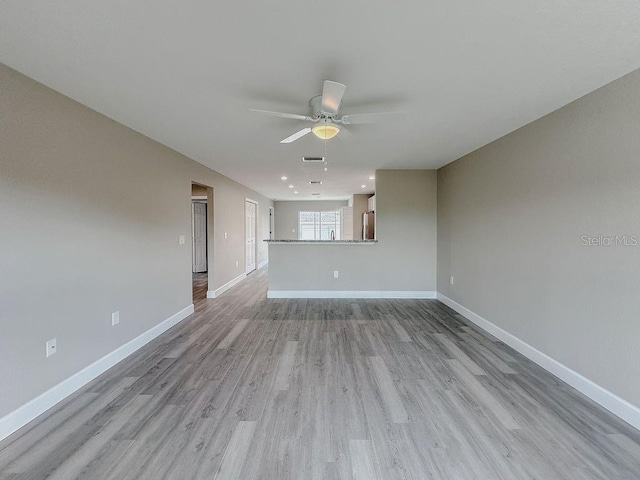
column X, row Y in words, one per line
column 318, row 225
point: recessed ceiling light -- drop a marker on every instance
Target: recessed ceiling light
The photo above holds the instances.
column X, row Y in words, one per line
column 295, row 191
column 290, row 186
column 283, row 177
column 372, row 177
column 363, row 186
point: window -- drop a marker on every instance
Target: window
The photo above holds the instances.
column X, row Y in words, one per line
column 318, row 225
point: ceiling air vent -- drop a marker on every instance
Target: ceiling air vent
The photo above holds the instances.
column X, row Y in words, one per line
column 315, row 182
column 313, row 159
column 316, row 194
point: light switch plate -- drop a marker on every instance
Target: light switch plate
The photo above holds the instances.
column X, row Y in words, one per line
column 115, row 318
column 52, row 347
column 181, row 239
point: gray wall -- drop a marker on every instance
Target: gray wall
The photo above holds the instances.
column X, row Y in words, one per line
column 404, row 259
column 287, row 214
column 511, row 217
column 91, row 212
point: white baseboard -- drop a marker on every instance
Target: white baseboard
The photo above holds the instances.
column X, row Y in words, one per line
column 348, row 294
column 262, row 264
column 616, row 405
column 30, row 410
column 220, row 290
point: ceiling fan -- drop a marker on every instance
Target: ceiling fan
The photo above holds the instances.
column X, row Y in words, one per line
column 325, row 113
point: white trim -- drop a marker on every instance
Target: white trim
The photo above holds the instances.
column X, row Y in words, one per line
column 35, row 407
column 263, row 263
column 348, row 294
column 616, row 405
column 198, row 198
column 220, row 290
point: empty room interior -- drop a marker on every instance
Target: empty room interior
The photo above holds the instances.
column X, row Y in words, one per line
column 320, row 240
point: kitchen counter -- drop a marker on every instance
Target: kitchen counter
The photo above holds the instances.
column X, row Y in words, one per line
column 323, row 242
column 334, row 269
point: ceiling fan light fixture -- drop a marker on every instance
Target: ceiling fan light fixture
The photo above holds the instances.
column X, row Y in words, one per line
column 325, row 131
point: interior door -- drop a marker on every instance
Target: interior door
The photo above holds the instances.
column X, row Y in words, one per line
column 199, row 236
column 250, row 233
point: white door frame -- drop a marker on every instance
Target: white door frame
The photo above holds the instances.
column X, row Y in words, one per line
column 272, row 223
column 255, row 253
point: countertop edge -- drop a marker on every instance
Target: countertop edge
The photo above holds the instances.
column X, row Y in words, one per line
column 323, row 242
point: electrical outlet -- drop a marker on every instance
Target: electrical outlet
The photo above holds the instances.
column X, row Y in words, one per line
column 181, row 239
column 226, row 235
column 451, row 279
column 52, row 347
column 115, row 318
column 293, row 230
column 335, row 274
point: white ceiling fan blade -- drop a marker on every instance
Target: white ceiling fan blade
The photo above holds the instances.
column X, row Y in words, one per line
column 296, row 135
column 332, row 93
column 282, row 115
column 367, row 117
column 344, row 133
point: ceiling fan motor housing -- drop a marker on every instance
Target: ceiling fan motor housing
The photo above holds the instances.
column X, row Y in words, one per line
column 316, row 108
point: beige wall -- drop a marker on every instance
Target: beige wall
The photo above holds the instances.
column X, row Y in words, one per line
column 287, row 214
column 91, row 212
column 360, row 204
column 404, row 259
column 511, row 217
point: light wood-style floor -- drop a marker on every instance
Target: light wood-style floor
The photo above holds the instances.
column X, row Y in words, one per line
column 252, row 388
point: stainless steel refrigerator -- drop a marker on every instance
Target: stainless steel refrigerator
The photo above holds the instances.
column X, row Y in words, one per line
column 369, row 226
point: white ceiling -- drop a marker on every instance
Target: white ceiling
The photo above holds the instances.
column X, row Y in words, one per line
column 186, row 72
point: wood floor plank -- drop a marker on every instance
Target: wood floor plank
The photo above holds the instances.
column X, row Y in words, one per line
column 457, row 353
column 93, row 448
column 285, row 366
column 486, row 400
column 362, row 460
column 388, row 390
column 235, row 455
column 403, row 336
column 233, row 334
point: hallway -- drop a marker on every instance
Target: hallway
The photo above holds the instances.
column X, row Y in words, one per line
column 253, row 388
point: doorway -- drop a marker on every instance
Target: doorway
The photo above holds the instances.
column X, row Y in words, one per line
column 201, row 223
column 251, row 217
column 199, row 236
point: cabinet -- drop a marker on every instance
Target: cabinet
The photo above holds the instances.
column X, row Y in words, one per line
column 346, row 223
column 372, row 204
